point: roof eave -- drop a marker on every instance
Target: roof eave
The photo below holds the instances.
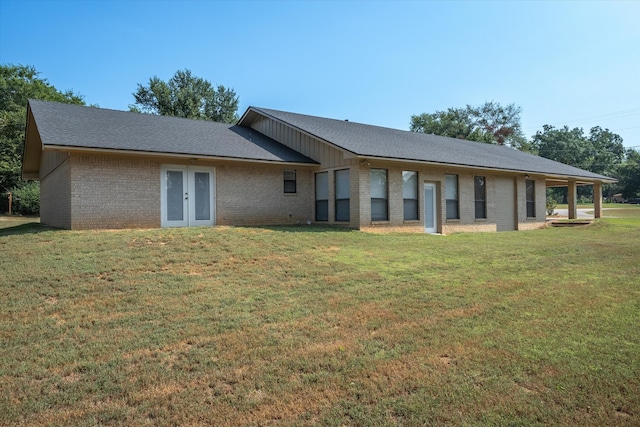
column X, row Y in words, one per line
column 74, row 149
column 488, row 168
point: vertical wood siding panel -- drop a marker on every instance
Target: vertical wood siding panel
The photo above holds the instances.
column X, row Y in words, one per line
column 326, row 155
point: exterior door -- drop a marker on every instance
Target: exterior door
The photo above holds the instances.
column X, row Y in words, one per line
column 187, row 196
column 430, row 217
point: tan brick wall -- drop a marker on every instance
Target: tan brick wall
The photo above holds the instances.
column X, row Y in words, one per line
column 355, row 206
column 253, row 194
column 539, row 221
column 55, row 196
column 119, row 192
column 114, row 193
column 466, row 198
column 90, row 192
column 478, row 226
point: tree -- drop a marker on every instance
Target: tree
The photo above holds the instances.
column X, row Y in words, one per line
column 490, row 123
column 600, row 152
column 18, row 83
column 606, row 151
column 568, row 146
column 188, row 96
column 629, row 175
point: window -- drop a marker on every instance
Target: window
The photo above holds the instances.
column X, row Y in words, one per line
column 531, row 198
column 480, row 190
column 410, row 195
column 322, row 196
column 379, row 202
column 290, row 181
column 342, row 195
column 451, row 193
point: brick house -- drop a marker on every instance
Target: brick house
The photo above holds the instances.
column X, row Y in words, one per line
column 103, row 168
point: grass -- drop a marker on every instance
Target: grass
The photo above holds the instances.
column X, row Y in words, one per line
column 605, row 206
column 320, row 326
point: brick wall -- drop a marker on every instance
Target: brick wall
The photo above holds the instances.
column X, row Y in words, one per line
column 525, row 223
column 110, row 192
column 119, row 192
column 253, row 194
column 467, row 221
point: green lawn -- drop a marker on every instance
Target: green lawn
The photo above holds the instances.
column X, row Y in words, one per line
column 320, row 326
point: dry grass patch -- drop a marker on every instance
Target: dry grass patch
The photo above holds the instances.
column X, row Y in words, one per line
column 320, row 326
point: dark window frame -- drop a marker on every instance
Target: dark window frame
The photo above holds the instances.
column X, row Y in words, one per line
column 290, row 185
column 411, row 206
column 453, row 205
column 342, row 205
column 376, row 202
column 531, row 198
column 480, row 196
column 322, row 205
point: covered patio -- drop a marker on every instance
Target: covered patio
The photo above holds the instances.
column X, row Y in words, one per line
column 572, row 194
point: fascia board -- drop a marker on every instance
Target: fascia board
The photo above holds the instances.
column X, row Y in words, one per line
column 518, row 171
column 72, row 149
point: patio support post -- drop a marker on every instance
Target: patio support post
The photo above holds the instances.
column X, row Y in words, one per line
column 572, row 200
column 597, row 200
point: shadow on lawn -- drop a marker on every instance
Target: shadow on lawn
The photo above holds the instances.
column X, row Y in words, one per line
column 25, row 228
column 304, row 228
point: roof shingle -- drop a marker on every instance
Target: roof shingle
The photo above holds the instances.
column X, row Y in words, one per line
column 376, row 141
column 97, row 128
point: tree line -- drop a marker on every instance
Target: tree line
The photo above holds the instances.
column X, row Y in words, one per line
column 185, row 95
column 599, row 150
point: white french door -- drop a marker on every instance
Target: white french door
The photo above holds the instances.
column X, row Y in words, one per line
column 187, row 196
column 430, row 216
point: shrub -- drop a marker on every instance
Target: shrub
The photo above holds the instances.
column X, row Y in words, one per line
column 27, row 198
column 551, row 205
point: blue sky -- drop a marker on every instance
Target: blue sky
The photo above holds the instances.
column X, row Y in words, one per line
column 571, row 63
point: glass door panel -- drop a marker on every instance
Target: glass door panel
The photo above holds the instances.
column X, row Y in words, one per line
column 430, row 219
column 201, row 197
column 175, row 195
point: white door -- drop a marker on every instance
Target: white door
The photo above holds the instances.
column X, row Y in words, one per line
column 187, row 196
column 430, row 217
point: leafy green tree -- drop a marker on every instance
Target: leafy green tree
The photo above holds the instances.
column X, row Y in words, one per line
column 188, row 96
column 629, row 175
column 454, row 123
column 27, row 198
column 18, row 83
column 606, row 151
column 490, row 123
column 568, row 146
column 601, row 152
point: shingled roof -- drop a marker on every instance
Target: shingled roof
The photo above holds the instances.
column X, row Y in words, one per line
column 74, row 126
column 375, row 141
column 52, row 125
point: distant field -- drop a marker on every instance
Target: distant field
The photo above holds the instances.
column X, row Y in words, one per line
column 320, row 326
column 606, row 206
column 621, row 210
